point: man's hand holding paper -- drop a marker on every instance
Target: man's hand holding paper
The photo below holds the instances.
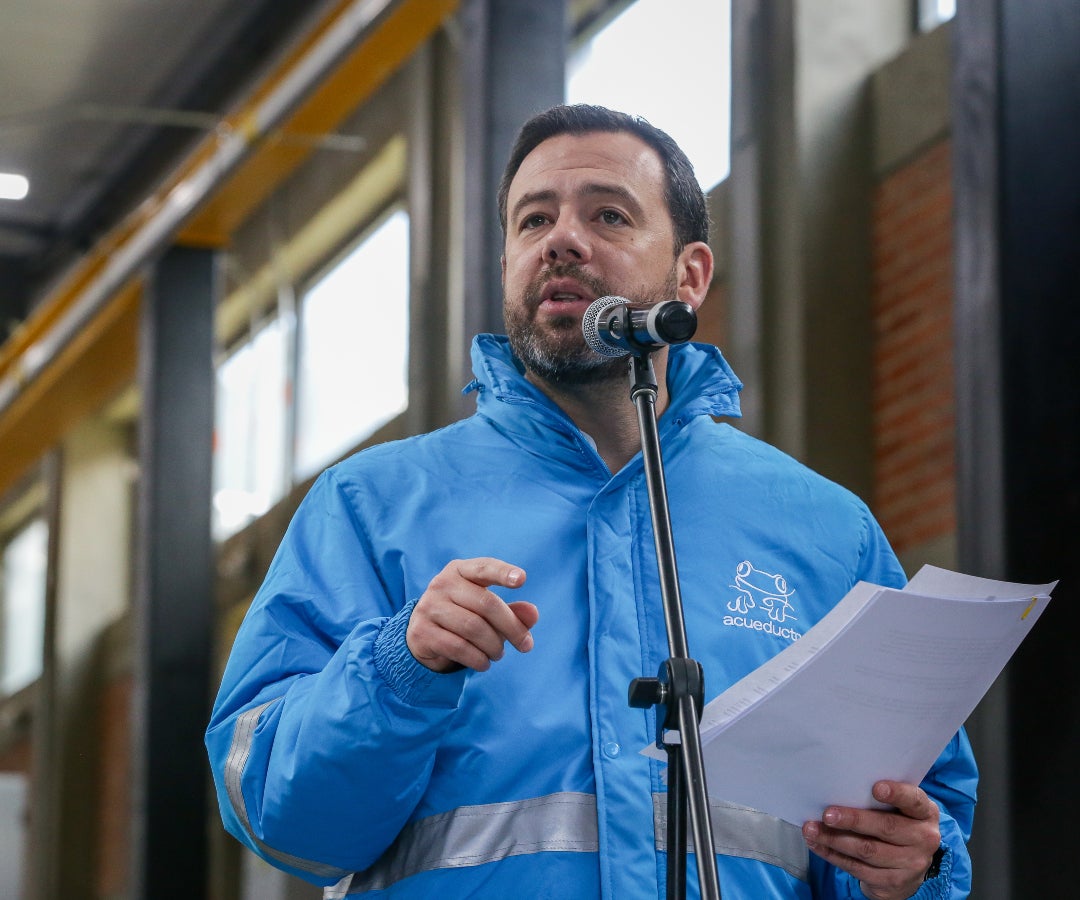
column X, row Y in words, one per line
column 889, row 851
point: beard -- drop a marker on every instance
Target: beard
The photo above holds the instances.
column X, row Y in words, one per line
column 557, row 352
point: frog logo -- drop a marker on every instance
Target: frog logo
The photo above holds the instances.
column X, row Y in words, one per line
column 761, row 590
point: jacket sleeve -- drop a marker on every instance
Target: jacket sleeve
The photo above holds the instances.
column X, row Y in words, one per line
column 324, row 732
column 951, row 781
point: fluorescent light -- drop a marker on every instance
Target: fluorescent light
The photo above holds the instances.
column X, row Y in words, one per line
column 13, row 187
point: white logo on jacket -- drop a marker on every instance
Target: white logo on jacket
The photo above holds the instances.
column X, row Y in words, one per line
column 762, row 602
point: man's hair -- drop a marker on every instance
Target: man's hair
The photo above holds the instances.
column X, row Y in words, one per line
column 685, row 199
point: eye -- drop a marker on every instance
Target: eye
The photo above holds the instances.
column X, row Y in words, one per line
column 534, row 220
column 612, row 217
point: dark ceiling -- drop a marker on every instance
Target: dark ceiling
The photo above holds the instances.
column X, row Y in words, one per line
column 100, row 99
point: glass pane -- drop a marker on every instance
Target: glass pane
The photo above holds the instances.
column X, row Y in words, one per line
column 933, row 12
column 650, row 63
column 353, row 357
column 23, row 594
column 250, row 472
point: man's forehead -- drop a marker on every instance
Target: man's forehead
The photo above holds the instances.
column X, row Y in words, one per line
column 616, row 158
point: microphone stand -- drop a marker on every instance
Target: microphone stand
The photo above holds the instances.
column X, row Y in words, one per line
column 678, row 691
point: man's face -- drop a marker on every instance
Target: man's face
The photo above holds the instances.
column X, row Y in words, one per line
column 586, row 218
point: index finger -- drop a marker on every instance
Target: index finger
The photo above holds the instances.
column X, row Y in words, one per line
column 487, row 571
column 909, row 799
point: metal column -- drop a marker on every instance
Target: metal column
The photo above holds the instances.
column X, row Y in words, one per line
column 514, row 58
column 1016, row 127
column 174, row 585
column 1040, row 290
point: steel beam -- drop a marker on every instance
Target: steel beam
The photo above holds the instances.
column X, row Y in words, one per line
column 173, row 610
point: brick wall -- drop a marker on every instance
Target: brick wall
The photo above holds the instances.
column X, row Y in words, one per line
column 914, row 468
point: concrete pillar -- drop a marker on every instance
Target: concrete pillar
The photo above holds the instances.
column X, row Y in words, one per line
column 93, row 591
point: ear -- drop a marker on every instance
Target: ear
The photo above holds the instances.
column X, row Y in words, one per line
column 694, row 269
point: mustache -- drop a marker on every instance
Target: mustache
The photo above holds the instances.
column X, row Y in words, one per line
column 587, row 280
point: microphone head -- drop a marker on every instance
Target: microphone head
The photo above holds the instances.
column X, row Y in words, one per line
column 590, row 326
column 672, row 321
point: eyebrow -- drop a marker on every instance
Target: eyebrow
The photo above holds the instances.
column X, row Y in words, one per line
column 592, row 189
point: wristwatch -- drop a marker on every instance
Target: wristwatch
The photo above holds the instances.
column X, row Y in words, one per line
column 935, row 864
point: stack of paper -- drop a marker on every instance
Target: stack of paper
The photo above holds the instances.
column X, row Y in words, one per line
column 875, row 690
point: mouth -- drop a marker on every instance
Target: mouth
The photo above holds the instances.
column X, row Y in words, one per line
column 564, row 296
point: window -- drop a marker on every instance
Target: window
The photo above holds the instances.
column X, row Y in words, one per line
column 674, row 70
column 933, row 12
column 250, row 435
column 23, row 559
column 346, row 351
column 353, row 354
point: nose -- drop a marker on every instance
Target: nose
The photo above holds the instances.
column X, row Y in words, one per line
column 565, row 242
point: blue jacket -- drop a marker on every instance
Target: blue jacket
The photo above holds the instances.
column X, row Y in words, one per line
column 334, row 752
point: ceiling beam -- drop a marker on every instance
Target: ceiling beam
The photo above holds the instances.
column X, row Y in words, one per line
column 359, row 46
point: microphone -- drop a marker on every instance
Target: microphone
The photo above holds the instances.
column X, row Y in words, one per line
column 612, row 327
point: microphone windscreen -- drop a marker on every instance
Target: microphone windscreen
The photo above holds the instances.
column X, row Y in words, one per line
column 590, row 326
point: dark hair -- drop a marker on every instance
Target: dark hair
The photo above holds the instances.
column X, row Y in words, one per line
column 685, row 199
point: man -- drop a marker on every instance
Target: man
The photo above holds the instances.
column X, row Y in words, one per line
column 371, row 733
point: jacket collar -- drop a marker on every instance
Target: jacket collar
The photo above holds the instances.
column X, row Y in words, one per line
column 700, row 381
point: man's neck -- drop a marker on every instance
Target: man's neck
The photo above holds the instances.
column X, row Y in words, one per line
column 605, row 412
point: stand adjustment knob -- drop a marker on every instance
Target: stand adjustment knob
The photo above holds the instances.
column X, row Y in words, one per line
column 646, row 692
